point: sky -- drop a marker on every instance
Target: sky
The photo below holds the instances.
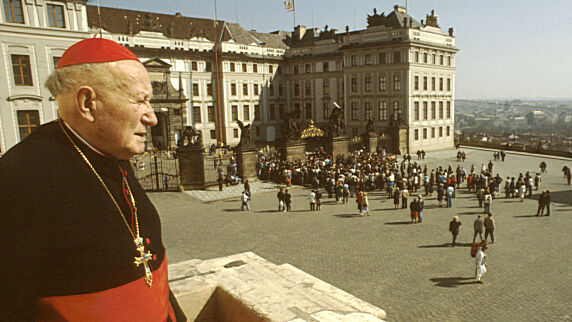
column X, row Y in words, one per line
column 509, row 49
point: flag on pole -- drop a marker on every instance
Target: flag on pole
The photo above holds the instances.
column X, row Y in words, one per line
column 289, row 5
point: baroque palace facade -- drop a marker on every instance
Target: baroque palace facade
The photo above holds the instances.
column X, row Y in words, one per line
column 397, row 71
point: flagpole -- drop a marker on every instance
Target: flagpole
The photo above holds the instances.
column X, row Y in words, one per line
column 294, row 12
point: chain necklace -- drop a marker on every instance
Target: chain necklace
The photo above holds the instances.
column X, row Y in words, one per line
column 144, row 258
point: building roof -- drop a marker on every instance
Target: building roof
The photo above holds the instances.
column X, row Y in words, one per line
column 253, row 37
column 123, row 21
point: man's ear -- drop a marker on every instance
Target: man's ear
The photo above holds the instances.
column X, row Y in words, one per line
column 86, row 102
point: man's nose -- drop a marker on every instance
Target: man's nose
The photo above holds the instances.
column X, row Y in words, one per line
column 149, row 118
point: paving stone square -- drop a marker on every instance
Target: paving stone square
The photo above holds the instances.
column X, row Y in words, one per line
column 408, row 270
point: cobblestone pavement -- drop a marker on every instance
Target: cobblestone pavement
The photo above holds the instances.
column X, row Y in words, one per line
column 407, row 270
column 231, row 191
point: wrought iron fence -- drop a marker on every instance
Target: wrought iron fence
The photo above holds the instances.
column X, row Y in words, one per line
column 157, row 170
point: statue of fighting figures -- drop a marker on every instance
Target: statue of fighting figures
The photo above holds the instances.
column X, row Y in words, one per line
column 292, row 129
column 337, row 126
column 192, row 136
column 244, row 133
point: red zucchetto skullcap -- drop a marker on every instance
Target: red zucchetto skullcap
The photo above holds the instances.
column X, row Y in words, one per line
column 94, row 50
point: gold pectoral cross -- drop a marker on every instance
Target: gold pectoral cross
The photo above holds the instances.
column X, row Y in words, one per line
column 143, row 259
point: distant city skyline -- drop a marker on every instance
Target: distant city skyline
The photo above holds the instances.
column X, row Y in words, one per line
column 512, row 49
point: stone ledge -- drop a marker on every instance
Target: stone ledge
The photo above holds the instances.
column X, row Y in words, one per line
column 272, row 292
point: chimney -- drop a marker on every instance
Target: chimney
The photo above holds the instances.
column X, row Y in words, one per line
column 398, row 8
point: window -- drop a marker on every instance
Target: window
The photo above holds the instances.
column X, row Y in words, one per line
column 22, row 70
column 208, row 67
column 308, row 109
column 433, row 132
column 396, row 111
column 448, row 130
column 448, row 60
column 416, row 111
column 448, row 84
column 416, row 83
column 235, row 133
column 56, row 59
column 244, row 89
column 271, row 89
column 213, row 135
column 382, row 58
column 368, row 83
column 296, row 89
column 425, row 58
column 354, row 84
column 296, row 69
column 246, row 112
column 197, row 114
column 209, row 89
column 424, row 83
column 432, row 83
column 424, row 133
column 234, row 111
column 325, row 110
column 396, row 57
column 448, row 110
column 425, row 110
column 416, row 134
column 272, row 112
column 433, row 111
column 255, row 68
column 270, row 69
column 244, row 68
column 280, row 90
column 233, row 89
column 307, row 88
column 355, row 111
column 307, row 68
column 56, row 16
column 210, row 114
column 13, row 11
column 232, row 67
column 258, row 131
column 354, row 60
column 440, row 83
column 441, row 110
column 382, row 111
column 440, row 131
column 355, row 132
column 326, row 87
column 28, row 121
column 281, row 111
column 196, row 89
column 382, row 83
column 441, row 59
column 416, row 56
column 257, row 112
column 433, row 60
column 368, row 59
column 396, row 83
column 255, row 89
column 326, row 66
column 195, row 67
column 368, row 110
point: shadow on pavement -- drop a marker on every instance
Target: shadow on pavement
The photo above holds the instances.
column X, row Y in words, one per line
column 446, row 245
column 525, row 216
column 564, row 197
column 398, row 223
column 348, row 216
column 453, row 281
column 231, row 210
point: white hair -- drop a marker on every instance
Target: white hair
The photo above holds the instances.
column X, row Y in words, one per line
column 67, row 78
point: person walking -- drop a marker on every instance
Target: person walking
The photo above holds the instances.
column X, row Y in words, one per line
column 312, row 199
column 478, row 226
column 480, row 262
column 488, row 199
column 245, row 201
column 414, row 207
column 490, row 227
column 280, row 196
column 359, row 200
column 537, row 180
column 421, row 205
column 450, row 193
column 481, row 196
column 287, row 200
column 454, row 228
column 440, row 192
column 364, row 204
column 547, row 200
column 541, row 203
column 404, row 197
column 318, row 199
column 396, row 198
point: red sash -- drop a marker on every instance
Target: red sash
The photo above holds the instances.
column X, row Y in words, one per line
column 133, row 301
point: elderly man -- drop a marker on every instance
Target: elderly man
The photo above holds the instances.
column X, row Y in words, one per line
column 80, row 239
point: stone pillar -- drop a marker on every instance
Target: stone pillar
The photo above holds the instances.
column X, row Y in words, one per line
column 192, row 167
column 292, row 150
column 370, row 140
column 336, row 146
column 246, row 158
column 399, row 142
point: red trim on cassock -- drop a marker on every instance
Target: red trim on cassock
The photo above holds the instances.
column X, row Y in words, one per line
column 133, row 301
